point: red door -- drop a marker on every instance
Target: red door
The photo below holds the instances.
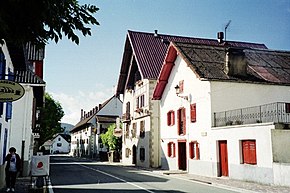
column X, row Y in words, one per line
column 223, row 151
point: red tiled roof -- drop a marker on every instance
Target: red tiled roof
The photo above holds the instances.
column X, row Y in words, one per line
column 150, row 51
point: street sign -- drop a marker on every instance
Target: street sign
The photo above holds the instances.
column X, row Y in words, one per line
column 10, row 91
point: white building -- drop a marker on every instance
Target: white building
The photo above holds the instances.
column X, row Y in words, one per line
column 6, row 67
column 26, row 111
column 61, row 143
column 230, row 115
column 85, row 136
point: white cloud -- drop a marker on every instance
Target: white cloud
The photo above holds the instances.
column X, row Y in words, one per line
column 86, row 100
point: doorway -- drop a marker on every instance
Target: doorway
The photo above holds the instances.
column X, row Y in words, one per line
column 182, row 155
column 223, row 159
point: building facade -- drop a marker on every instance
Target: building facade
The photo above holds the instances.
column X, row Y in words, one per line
column 141, row 64
column 85, row 136
column 231, row 112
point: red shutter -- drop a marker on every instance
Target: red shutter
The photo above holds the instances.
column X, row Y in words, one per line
column 191, row 150
column 184, row 120
column 249, row 152
column 172, row 118
column 168, row 118
column 38, row 66
column 173, row 149
column 197, row 151
column 193, row 112
column 178, row 121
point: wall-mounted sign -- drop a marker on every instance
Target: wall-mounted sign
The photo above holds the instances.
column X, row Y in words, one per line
column 10, row 91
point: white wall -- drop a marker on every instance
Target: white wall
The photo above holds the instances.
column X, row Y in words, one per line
column 198, row 92
column 65, row 146
column 21, row 127
column 231, row 95
column 112, row 108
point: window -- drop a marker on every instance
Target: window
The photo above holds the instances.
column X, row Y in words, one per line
column 181, row 86
column 127, row 152
column 58, row 144
column 181, row 121
column 127, row 111
column 8, row 111
column 127, row 131
column 140, row 101
column 194, row 150
column 193, row 113
column 134, row 129
column 170, row 118
column 142, row 154
column 142, row 129
column 287, row 107
column 249, row 152
column 59, row 139
column 171, row 149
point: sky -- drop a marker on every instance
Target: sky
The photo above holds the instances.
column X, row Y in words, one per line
column 85, row 75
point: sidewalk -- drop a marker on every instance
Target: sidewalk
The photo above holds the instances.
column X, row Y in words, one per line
column 23, row 185
column 227, row 183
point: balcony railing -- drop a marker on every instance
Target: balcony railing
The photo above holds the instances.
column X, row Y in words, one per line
column 274, row 112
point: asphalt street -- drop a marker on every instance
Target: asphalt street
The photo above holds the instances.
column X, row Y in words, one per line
column 70, row 175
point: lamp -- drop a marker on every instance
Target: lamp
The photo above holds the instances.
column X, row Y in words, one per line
column 177, row 90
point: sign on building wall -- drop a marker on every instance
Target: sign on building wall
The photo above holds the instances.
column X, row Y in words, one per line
column 10, row 91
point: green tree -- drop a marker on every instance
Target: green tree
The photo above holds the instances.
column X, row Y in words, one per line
column 38, row 21
column 51, row 115
column 111, row 141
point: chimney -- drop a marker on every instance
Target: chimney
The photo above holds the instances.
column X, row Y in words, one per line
column 235, row 64
column 96, row 109
column 100, row 106
column 82, row 114
column 156, row 35
column 220, row 37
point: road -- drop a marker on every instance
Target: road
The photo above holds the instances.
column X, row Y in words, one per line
column 73, row 175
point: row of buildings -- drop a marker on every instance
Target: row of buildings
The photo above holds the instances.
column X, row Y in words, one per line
column 209, row 107
column 19, row 120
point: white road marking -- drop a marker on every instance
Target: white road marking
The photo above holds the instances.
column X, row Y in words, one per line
column 112, row 176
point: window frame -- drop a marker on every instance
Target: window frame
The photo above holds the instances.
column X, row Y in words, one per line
column 170, row 118
column 142, row 129
column 193, row 112
column 194, row 150
column 181, row 121
column 171, row 149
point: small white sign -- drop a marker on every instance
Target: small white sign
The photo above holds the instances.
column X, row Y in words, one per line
column 40, row 165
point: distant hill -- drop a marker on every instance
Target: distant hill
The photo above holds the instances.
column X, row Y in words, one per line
column 67, row 127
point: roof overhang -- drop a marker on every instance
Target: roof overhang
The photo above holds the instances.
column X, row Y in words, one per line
column 165, row 72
